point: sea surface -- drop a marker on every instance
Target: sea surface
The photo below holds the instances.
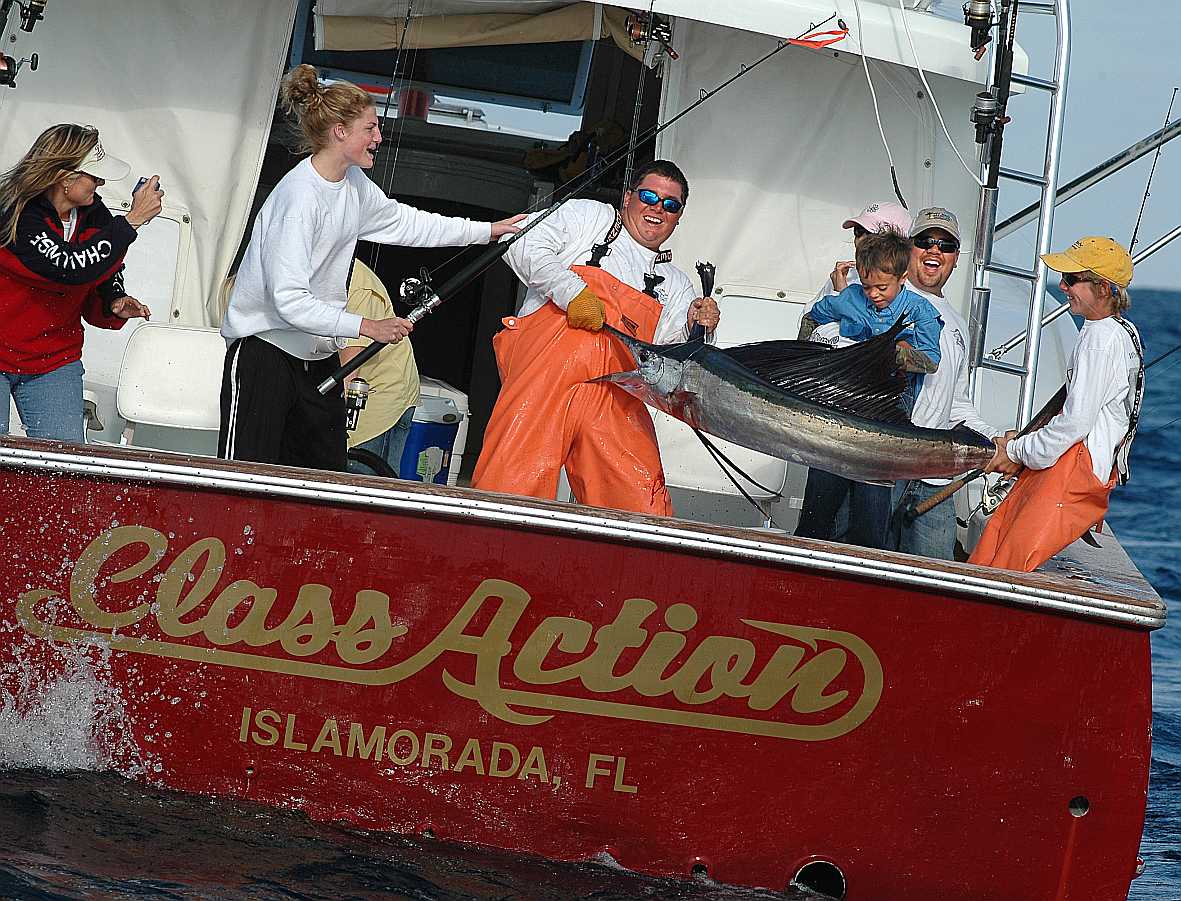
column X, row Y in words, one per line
column 69, row 832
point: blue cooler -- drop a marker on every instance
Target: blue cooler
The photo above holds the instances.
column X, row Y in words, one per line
column 427, row 455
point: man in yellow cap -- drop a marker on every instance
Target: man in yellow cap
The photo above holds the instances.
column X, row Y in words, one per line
column 1072, row 463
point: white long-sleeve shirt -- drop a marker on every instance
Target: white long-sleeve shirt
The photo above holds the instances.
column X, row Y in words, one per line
column 944, row 400
column 542, row 260
column 291, row 288
column 1099, row 388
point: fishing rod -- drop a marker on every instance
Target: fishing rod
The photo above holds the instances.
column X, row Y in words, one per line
column 1048, row 412
column 420, row 289
column 1044, row 415
column 1151, row 172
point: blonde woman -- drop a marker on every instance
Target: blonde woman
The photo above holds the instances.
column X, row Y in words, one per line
column 1072, row 463
column 61, row 261
column 286, row 317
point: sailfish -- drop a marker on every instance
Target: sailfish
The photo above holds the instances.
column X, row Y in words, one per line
column 836, row 409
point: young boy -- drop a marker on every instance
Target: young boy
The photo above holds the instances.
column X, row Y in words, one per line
column 861, row 312
column 873, row 306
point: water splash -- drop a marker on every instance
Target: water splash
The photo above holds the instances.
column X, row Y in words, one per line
column 60, row 710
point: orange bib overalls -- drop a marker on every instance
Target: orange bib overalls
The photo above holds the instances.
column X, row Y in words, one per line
column 1046, row 510
column 548, row 417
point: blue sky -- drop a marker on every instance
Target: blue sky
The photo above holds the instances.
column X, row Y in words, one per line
column 1124, row 64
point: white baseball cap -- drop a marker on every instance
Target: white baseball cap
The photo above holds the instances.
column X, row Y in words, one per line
column 100, row 164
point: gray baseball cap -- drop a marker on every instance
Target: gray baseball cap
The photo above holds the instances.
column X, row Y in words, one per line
column 935, row 217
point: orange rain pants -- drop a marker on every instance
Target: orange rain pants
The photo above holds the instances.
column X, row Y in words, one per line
column 547, row 416
column 1046, row 510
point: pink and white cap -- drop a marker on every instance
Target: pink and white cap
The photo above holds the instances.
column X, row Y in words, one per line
column 879, row 216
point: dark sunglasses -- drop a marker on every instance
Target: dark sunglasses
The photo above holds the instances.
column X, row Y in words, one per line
column 651, row 198
column 1070, row 279
column 944, row 245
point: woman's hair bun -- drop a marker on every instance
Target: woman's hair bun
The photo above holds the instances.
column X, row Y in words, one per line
column 301, row 89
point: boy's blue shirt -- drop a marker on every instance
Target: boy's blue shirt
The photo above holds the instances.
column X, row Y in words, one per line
column 861, row 320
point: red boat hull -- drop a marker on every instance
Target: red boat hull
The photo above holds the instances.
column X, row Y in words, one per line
column 420, row 659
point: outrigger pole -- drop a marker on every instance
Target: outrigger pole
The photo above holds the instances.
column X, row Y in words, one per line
column 428, row 299
column 1001, row 349
column 1093, row 176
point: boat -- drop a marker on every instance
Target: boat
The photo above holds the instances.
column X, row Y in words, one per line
column 703, row 696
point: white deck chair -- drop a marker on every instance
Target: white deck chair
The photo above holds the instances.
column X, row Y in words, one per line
column 170, row 382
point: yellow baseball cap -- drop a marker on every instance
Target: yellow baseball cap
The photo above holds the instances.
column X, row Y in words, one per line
column 1105, row 257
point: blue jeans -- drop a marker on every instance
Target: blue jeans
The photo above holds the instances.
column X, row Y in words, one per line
column 824, row 496
column 388, row 445
column 49, row 403
column 929, row 535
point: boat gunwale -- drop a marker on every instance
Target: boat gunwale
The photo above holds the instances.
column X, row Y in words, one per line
column 1037, row 592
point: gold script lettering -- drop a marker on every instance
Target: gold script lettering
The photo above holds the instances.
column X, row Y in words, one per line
column 810, row 674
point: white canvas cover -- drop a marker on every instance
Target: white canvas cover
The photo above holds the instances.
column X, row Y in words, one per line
column 801, row 149
column 185, row 90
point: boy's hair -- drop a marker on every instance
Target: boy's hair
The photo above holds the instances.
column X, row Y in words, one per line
column 886, row 251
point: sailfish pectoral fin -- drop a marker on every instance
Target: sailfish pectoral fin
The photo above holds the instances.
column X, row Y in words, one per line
column 617, row 378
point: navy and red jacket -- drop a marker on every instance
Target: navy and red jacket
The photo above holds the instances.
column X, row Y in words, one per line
column 49, row 285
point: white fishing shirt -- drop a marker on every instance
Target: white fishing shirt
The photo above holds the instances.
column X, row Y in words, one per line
column 542, row 260
column 291, row 289
column 1100, row 385
column 944, row 400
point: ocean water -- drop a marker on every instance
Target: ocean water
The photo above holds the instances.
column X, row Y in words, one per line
column 1146, row 515
column 67, row 833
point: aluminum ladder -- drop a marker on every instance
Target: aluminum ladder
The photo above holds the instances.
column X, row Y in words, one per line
column 1047, row 181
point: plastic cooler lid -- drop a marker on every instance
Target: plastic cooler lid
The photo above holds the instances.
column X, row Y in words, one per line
column 438, row 388
column 436, row 409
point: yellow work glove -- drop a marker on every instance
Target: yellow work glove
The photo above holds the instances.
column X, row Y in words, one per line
column 586, row 311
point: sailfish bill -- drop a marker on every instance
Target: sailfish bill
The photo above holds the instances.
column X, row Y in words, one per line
column 836, row 409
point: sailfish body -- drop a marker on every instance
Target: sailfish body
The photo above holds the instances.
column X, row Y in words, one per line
column 833, row 409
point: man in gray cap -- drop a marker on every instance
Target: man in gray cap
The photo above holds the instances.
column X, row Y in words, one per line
column 944, row 400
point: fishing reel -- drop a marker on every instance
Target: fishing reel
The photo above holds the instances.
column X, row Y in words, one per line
column 978, row 17
column 10, row 68
column 32, row 12
column 994, row 493
column 411, row 289
column 356, row 395
column 415, row 291
column 984, row 115
column 644, row 30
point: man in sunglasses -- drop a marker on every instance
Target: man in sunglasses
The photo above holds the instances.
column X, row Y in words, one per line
column 944, row 400
column 584, row 266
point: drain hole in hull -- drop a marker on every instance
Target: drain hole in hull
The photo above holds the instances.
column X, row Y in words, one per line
column 823, row 877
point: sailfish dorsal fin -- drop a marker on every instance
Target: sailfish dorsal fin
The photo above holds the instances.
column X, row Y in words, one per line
column 861, row 379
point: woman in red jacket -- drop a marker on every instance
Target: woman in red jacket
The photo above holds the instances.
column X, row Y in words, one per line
column 61, row 261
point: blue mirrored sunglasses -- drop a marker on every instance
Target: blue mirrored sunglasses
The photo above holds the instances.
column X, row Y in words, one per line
column 651, row 198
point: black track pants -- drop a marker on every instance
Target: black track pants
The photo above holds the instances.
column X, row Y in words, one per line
column 271, row 411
